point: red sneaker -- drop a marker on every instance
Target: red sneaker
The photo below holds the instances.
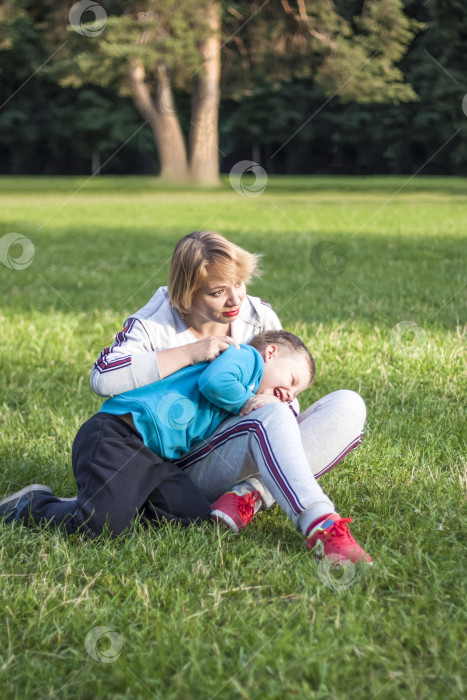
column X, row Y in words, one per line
column 332, row 539
column 234, row 510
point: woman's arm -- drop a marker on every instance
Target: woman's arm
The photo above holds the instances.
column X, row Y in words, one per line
column 132, row 361
column 137, row 358
column 204, row 350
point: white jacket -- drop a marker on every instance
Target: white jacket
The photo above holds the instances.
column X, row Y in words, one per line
column 132, row 361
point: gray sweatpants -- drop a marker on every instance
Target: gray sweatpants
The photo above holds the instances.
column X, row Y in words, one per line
column 281, row 456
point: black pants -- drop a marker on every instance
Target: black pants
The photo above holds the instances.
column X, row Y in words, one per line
column 117, row 478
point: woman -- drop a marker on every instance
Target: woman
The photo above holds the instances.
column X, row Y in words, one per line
column 204, row 309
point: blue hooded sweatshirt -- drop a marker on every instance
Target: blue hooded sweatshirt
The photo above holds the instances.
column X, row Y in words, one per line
column 186, row 407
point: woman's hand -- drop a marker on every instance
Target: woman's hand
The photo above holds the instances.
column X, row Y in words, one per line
column 208, row 349
column 256, row 402
column 205, row 350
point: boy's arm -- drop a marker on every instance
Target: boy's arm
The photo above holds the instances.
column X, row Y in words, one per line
column 230, row 379
column 256, row 402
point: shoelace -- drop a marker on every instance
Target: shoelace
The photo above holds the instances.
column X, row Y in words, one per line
column 341, row 529
column 246, row 505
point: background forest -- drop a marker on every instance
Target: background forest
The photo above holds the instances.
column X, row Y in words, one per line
column 281, row 64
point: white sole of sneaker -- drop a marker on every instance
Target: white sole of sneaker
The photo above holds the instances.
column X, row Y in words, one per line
column 27, row 489
column 218, row 515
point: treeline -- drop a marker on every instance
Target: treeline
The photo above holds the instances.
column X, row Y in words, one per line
column 287, row 125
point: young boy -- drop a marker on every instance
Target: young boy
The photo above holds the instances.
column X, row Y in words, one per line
column 165, row 419
column 175, row 413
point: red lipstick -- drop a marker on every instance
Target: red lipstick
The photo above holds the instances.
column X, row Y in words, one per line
column 231, row 314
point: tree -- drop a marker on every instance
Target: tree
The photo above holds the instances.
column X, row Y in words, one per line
column 310, row 52
column 329, row 42
column 437, row 67
column 45, row 128
column 148, row 48
column 425, row 135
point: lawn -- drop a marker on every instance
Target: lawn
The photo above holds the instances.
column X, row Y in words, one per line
column 371, row 272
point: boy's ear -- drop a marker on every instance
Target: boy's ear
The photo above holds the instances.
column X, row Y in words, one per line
column 269, row 352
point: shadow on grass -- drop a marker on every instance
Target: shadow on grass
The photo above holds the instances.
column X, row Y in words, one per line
column 284, row 184
column 370, row 278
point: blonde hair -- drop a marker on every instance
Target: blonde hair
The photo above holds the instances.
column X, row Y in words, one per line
column 193, row 255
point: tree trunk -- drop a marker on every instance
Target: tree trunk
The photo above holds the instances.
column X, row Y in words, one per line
column 204, row 139
column 163, row 120
column 256, row 154
column 95, row 162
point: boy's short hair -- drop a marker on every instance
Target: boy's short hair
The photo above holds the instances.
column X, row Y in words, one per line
column 289, row 342
column 191, row 258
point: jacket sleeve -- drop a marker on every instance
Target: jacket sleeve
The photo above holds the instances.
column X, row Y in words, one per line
column 130, row 362
column 229, row 380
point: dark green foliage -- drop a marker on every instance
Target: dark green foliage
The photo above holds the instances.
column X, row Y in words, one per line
column 365, row 138
column 268, row 91
column 319, row 41
column 45, row 128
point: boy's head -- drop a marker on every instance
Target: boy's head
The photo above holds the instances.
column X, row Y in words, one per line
column 289, row 367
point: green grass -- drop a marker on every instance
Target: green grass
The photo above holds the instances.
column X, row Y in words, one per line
column 200, row 613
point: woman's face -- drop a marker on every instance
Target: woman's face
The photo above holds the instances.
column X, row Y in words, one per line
column 218, row 301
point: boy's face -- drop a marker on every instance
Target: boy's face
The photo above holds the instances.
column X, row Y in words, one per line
column 286, row 373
